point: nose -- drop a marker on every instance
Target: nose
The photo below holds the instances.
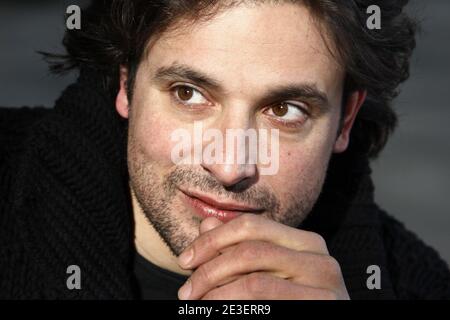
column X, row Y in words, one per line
column 238, row 176
column 239, row 148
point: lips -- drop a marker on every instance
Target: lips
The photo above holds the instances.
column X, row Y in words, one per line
column 205, row 206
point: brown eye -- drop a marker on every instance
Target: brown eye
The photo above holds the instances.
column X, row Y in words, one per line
column 185, row 93
column 188, row 96
column 280, row 110
column 287, row 113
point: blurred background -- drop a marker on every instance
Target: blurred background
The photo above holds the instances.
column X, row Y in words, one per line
column 412, row 176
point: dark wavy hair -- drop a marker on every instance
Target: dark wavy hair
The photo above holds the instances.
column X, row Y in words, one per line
column 116, row 32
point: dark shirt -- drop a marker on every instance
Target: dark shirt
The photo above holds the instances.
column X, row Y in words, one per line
column 155, row 283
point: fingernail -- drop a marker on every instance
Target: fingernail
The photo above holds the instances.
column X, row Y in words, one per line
column 186, row 257
column 185, row 290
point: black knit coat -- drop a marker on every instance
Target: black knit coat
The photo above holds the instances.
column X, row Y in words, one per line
column 64, row 200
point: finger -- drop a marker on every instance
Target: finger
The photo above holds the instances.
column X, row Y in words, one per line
column 249, row 227
column 262, row 286
column 209, row 224
column 315, row 270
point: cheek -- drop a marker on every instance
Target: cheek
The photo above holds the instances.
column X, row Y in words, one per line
column 151, row 132
column 303, row 165
column 299, row 167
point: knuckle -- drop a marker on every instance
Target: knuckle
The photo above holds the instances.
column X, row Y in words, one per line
column 256, row 284
column 320, row 241
column 317, row 241
column 208, row 241
column 204, row 274
column 247, row 223
column 332, row 266
column 332, row 272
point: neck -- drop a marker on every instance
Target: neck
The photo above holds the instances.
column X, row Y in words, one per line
column 149, row 243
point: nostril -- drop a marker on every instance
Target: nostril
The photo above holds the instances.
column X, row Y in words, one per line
column 206, row 168
column 240, row 186
column 232, row 176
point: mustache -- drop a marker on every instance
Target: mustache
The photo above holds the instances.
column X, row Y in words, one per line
column 255, row 196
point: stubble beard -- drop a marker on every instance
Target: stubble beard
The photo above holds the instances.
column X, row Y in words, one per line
column 156, row 194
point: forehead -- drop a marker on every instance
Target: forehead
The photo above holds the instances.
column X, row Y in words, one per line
column 251, row 47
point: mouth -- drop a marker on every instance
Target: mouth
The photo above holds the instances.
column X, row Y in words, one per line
column 206, row 206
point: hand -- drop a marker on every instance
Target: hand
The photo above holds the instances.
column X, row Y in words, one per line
column 252, row 257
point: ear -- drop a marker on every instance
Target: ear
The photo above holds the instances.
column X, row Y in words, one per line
column 122, row 103
column 352, row 106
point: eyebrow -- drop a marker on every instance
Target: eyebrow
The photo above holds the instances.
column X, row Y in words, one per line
column 307, row 91
column 178, row 71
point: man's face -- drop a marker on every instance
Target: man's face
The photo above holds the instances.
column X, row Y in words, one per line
column 251, row 54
